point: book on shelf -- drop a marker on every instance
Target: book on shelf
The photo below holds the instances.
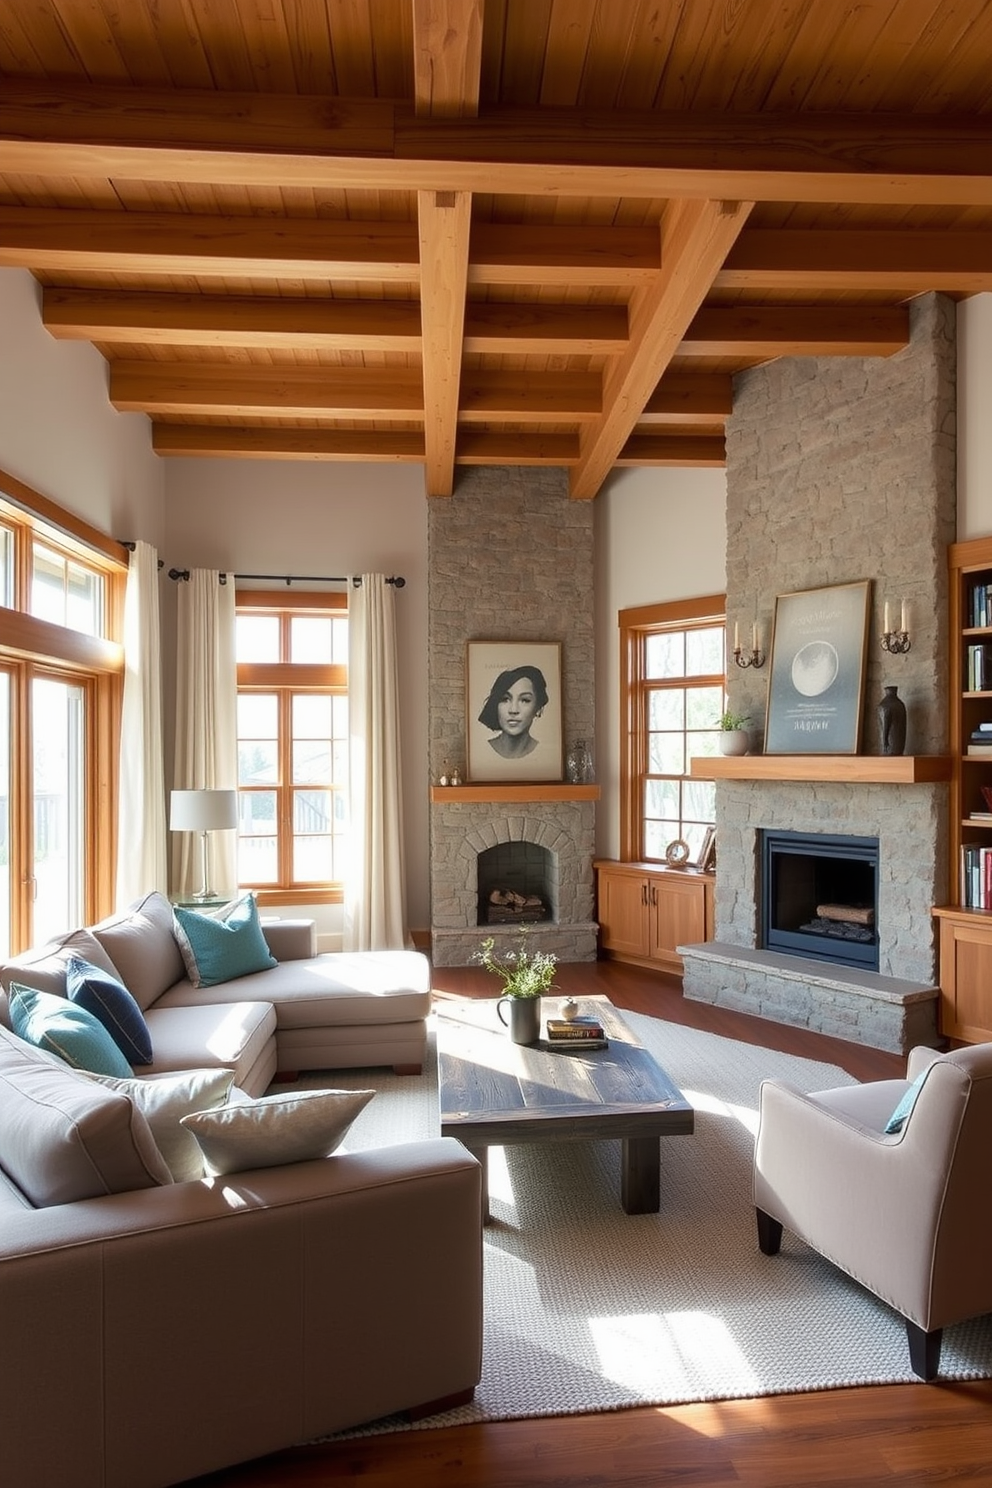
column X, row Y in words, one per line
column 980, row 748
column 980, row 816
column 981, row 611
column 976, row 876
column 979, row 659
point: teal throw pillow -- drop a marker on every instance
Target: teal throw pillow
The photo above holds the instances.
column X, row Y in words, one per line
column 112, row 1005
column 66, row 1029
column 901, row 1114
column 217, row 948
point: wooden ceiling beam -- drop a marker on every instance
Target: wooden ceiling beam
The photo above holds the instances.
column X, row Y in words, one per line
column 500, row 447
column 688, row 398
column 796, row 330
column 556, row 256
column 447, row 67
column 246, row 392
column 229, row 442
column 903, row 263
column 359, row 393
column 694, row 241
column 475, row 446
column 673, row 449
column 121, row 317
column 106, row 132
column 56, row 240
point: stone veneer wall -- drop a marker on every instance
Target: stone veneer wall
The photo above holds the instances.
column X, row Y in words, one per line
column 837, row 470
column 510, row 557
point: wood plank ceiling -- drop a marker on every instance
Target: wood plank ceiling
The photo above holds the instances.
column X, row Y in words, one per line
column 486, row 231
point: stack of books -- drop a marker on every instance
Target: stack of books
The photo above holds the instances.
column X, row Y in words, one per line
column 980, row 739
column 582, row 1032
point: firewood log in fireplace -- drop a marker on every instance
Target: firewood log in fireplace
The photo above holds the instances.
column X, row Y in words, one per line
column 851, row 914
column 506, row 907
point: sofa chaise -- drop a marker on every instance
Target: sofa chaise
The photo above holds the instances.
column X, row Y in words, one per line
column 333, row 1010
column 154, row 1329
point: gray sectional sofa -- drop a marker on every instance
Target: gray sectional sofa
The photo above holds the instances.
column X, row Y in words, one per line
column 198, row 1323
column 335, row 1010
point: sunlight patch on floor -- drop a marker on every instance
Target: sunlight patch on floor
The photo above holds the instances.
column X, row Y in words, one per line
column 746, row 1115
column 649, row 1351
column 500, row 1182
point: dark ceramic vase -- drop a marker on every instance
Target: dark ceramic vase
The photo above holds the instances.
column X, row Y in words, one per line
column 892, row 722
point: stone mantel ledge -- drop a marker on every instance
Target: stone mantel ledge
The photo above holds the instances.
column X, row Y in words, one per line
column 843, row 769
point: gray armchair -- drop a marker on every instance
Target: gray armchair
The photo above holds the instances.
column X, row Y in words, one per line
column 906, row 1214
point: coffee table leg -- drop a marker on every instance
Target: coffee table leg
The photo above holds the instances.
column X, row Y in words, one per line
column 640, row 1176
column 482, row 1154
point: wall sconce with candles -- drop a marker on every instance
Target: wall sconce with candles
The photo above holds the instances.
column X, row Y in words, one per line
column 753, row 658
column 896, row 641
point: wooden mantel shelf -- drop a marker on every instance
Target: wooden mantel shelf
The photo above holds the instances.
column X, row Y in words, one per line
column 487, row 791
column 851, row 769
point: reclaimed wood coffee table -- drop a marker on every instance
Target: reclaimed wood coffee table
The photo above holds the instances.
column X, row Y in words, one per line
column 493, row 1093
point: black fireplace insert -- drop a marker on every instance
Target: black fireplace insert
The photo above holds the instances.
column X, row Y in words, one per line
column 819, row 897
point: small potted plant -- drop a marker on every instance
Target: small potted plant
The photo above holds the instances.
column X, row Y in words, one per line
column 526, row 975
column 734, row 737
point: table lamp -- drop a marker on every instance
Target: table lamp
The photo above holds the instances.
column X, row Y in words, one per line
column 203, row 811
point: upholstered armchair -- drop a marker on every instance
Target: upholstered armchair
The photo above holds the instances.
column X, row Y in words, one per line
column 907, row 1212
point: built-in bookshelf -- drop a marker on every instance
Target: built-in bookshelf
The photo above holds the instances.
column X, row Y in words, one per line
column 966, row 921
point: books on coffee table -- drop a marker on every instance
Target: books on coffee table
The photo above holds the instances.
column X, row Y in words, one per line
column 583, row 1032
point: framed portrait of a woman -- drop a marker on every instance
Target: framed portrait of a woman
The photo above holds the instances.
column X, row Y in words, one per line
column 513, row 710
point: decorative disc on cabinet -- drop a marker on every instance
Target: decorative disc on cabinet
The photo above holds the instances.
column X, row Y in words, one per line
column 677, row 853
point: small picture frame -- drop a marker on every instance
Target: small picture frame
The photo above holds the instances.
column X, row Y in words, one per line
column 513, row 706
column 707, row 852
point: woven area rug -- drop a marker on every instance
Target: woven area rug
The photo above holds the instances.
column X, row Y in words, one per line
column 590, row 1309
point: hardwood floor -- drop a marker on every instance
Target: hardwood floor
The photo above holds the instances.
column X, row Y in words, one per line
column 902, row 1435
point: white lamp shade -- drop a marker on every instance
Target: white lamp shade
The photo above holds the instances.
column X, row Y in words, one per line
column 203, row 810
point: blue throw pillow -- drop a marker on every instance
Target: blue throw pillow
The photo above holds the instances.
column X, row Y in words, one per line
column 64, row 1028
column 901, row 1114
column 112, row 1005
column 217, row 948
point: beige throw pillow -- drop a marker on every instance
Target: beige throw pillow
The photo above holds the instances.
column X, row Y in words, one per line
column 164, row 1100
column 275, row 1129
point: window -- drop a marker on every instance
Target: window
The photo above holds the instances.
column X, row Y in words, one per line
column 673, row 686
column 61, row 667
column 292, row 745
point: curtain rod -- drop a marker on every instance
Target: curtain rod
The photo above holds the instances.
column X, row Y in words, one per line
column 397, row 579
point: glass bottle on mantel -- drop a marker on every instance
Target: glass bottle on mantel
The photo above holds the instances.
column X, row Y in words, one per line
column 578, row 763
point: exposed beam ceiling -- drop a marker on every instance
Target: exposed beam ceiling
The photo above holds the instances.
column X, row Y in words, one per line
column 459, row 231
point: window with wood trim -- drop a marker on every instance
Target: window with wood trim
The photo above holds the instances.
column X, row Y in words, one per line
column 673, row 686
column 292, row 745
column 61, row 672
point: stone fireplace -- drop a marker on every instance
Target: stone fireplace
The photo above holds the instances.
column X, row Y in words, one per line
column 837, row 471
column 510, row 558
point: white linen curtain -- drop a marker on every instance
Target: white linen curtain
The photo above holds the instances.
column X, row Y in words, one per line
column 206, row 720
column 142, row 858
column 374, row 891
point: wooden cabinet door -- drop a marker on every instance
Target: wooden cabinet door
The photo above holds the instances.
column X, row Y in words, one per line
column 678, row 917
column 966, row 978
column 623, row 911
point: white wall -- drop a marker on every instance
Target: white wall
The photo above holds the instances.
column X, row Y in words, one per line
column 315, row 518
column 975, row 417
column 58, row 432
column 661, row 534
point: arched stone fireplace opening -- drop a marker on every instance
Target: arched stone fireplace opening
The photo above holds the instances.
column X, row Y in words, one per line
column 518, row 884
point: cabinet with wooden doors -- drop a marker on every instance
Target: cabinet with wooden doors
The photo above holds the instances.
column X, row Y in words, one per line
column 966, row 922
column 645, row 911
